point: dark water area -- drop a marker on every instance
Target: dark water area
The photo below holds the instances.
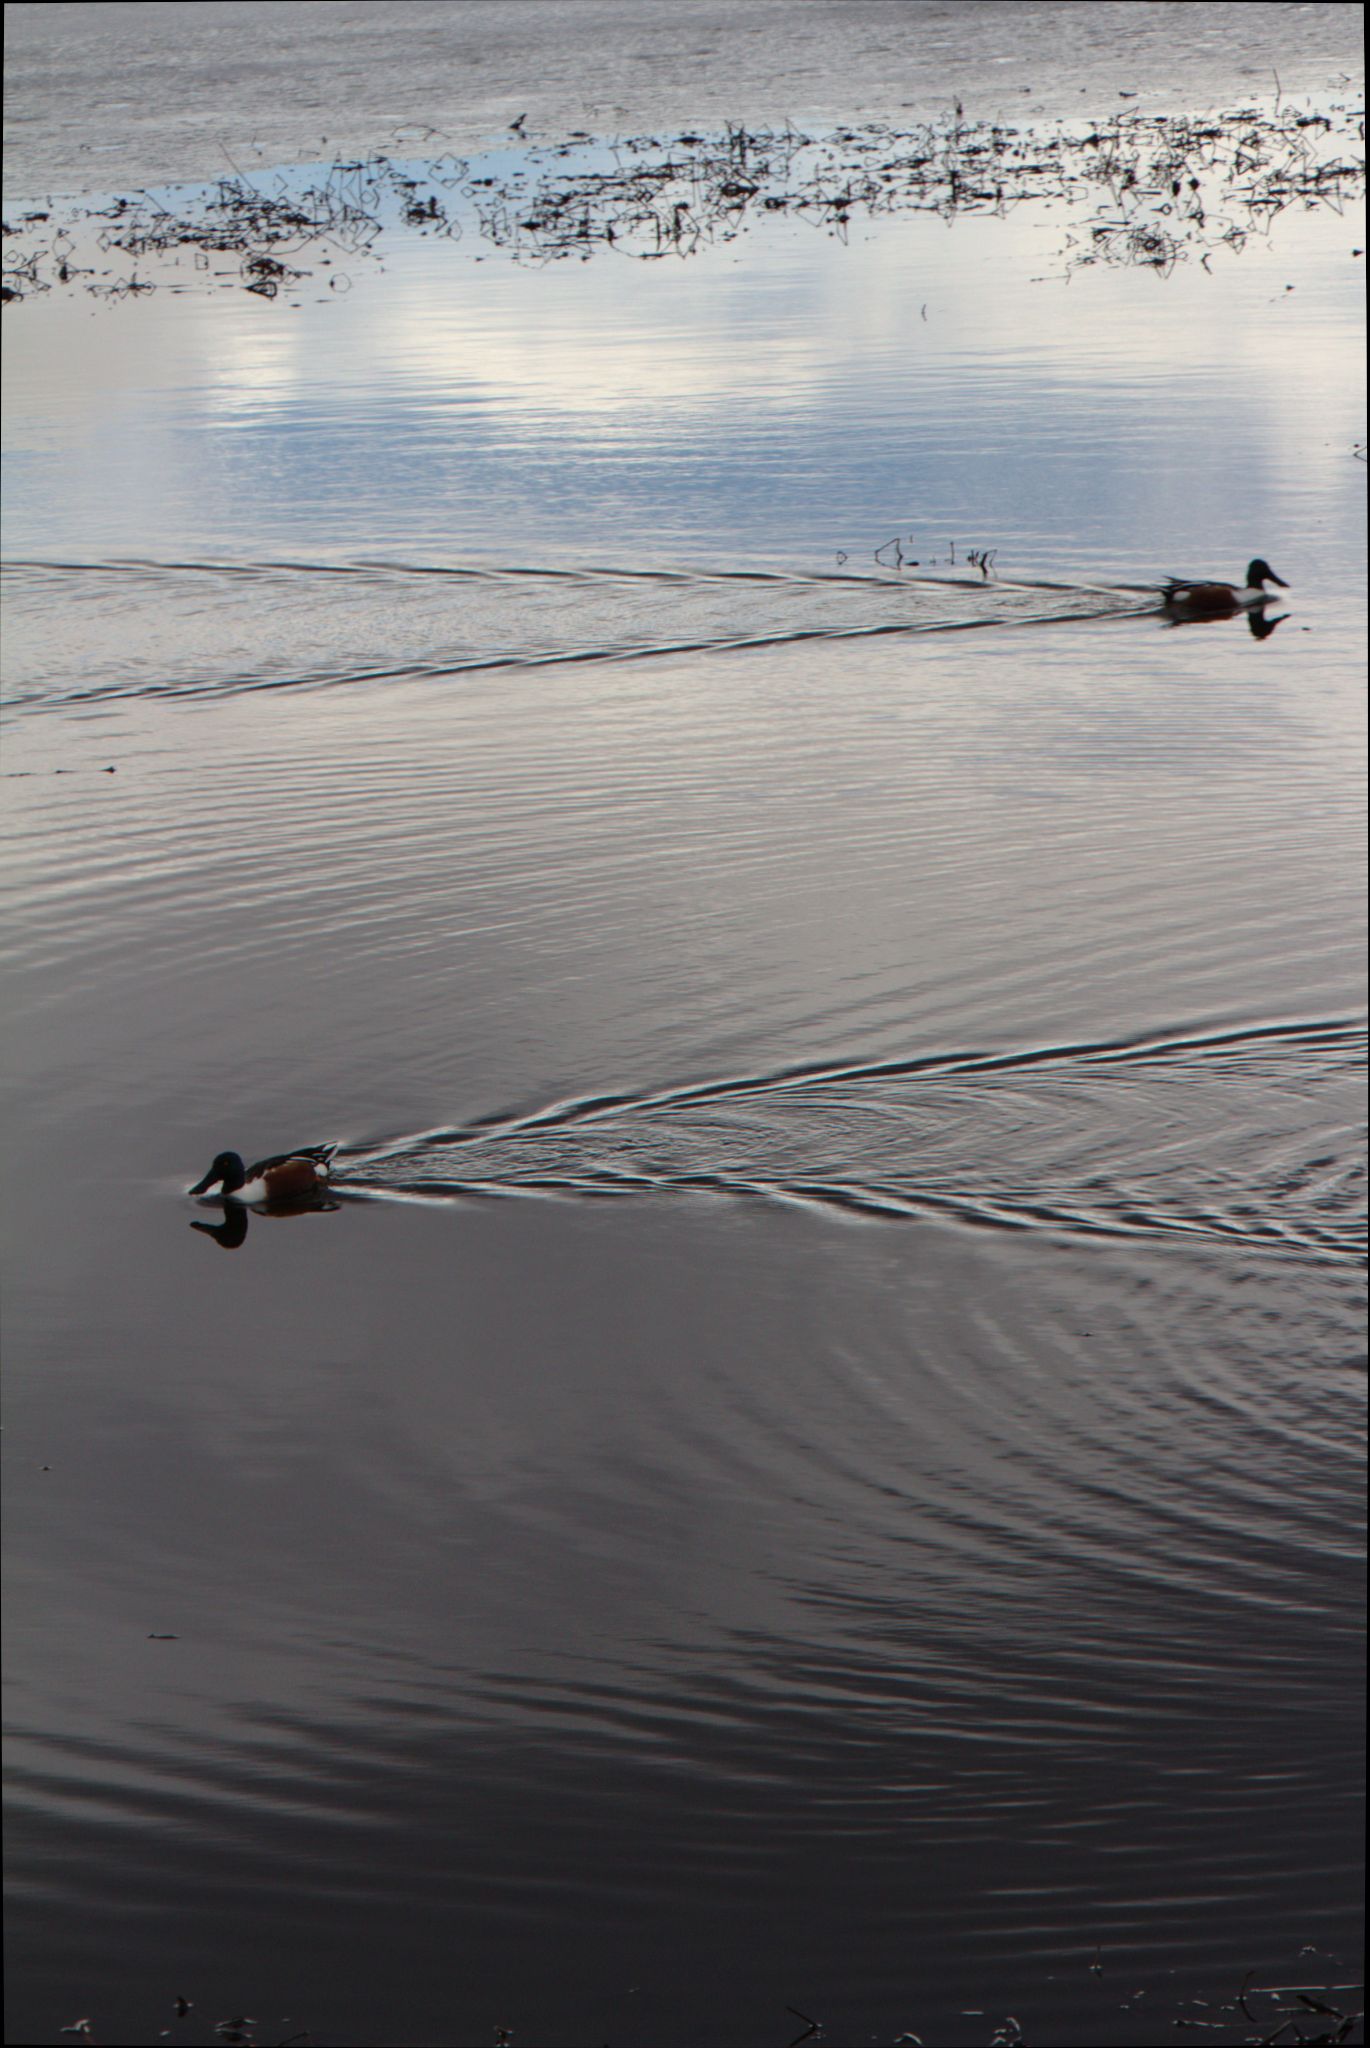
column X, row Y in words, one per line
column 810, row 1461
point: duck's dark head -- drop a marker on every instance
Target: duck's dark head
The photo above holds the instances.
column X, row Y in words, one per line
column 1260, row 573
column 227, row 1168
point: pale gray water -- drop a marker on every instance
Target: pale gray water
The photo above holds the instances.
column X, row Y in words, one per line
column 113, row 94
column 817, row 1460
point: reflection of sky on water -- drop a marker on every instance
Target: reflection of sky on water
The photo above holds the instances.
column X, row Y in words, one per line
column 774, row 400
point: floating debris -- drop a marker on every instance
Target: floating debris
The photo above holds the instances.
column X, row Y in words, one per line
column 1155, row 190
column 334, row 213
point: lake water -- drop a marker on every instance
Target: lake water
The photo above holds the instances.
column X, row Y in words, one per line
column 813, row 1463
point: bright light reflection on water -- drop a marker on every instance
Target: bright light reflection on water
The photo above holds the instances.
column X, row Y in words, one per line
column 775, row 401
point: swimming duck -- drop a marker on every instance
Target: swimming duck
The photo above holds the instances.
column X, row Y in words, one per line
column 1221, row 600
column 277, row 1179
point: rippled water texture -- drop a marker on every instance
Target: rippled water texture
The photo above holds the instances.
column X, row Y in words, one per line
column 810, row 1461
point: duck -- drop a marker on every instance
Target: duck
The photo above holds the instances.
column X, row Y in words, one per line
column 1221, row 600
column 282, row 1177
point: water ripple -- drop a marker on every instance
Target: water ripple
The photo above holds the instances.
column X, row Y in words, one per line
column 216, row 629
column 1117, row 1138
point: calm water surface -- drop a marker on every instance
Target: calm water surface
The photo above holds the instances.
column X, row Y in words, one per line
column 816, row 1460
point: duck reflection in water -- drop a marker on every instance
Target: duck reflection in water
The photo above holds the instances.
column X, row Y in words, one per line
column 1260, row 624
column 232, row 1230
